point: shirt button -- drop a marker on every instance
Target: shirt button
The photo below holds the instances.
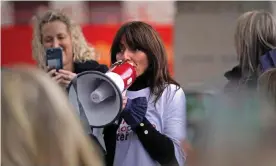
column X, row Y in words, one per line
column 146, row 132
column 141, row 124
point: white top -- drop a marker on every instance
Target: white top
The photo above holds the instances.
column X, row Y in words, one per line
column 169, row 118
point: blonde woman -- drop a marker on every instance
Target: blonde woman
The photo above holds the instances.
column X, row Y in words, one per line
column 255, row 35
column 56, row 29
column 39, row 127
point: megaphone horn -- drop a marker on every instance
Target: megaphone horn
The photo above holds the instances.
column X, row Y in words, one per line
column 100, row 95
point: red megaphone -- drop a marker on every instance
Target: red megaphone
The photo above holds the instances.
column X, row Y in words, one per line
column 122, row 74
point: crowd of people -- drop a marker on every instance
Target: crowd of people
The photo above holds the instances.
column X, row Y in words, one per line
column 40, row 126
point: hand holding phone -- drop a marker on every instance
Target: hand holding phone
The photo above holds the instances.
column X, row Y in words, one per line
column 54, row 75
column 54, row 58
column 54, row 63
column 67, row 76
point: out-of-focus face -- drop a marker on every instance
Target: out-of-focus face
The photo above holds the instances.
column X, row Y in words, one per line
column 137, row 57
column 55, row 34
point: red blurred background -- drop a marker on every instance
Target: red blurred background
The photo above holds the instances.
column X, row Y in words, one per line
column 102, row 20
column 16, row 42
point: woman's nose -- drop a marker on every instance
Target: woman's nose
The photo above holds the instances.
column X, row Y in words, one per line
column 126, row 55
column 55, row 43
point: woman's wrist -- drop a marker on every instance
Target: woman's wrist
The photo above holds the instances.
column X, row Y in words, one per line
column 135, row 111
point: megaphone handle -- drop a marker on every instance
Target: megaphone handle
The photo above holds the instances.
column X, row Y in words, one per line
column 83, row 116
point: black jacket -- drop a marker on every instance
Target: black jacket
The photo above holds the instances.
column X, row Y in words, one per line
column 88, row 66
column 266, row 61
column 234, row 77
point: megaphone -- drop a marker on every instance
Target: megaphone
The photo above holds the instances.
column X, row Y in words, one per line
column 98, row 96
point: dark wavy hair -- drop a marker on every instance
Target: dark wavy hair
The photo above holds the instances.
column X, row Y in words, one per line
column 142, row 36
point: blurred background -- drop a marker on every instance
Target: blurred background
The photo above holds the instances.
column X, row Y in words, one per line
column 198, row 35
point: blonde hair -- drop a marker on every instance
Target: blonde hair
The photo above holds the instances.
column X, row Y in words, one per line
column 81, row 50
column 39, row 127
column 255, row 34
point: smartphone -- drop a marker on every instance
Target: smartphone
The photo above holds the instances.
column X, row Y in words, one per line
column 54, row 58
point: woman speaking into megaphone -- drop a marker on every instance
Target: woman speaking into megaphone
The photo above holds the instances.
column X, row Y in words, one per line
column 153, row 122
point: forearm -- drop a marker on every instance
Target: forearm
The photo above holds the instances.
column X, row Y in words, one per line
column 159, row 146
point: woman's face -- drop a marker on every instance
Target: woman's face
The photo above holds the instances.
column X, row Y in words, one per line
column 55, row 34
column 137, row 57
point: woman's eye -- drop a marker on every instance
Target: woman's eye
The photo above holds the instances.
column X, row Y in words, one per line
column 48, row 40
column 122, row 50
column 61, row 37
column 134, row 50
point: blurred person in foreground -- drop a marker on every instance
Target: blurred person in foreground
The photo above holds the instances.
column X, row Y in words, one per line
column 55, row 29
column 39, row 127
column 255, row 36
column 242, row 137
column 153, row 122
column 267, row 88
column 267, row 94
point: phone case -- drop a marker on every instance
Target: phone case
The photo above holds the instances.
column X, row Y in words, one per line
column 54, row 58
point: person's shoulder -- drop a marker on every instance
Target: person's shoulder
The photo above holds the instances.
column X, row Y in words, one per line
column 90, row 65
column 173, row 97
column 173, row 91
column 173, row 88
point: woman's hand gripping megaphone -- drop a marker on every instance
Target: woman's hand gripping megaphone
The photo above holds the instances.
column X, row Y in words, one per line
column 124, row 100
column 134, row 110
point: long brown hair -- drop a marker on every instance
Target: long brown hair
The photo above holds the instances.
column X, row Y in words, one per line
column 142, row 36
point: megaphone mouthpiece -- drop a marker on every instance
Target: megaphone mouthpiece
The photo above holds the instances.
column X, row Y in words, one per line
column 102, row 92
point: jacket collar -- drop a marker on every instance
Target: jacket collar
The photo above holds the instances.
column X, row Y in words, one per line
column 88, row 66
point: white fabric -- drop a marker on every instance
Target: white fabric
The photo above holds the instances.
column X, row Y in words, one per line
column 169, row 118
column 117, row 79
